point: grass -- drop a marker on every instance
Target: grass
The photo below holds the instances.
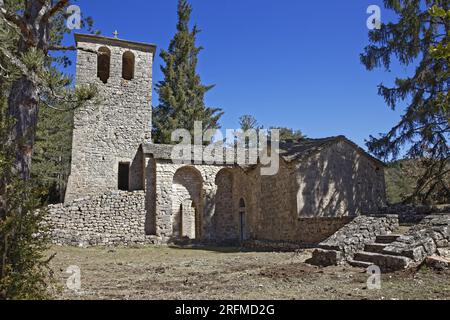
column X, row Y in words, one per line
column 226, row 273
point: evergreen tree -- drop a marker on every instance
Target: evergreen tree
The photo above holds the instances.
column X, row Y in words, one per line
column 247, row 122
column 401, row 178
column 420, row 36
column 289, row 134
column 30, row 77
column 24, row 271
column 52, row 154
column 441, row 50
column 181, row 93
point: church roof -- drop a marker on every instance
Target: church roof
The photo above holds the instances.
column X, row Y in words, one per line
column 295, row 150
column 141, row 46
column 158, row 151
column 289, row 150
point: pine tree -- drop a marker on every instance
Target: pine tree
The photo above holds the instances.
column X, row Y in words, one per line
column 181, row 93
column 52, row 154
column 24, row 270
column 247, row 122
column 289, row 134
column 420, row 37
column 30, row 32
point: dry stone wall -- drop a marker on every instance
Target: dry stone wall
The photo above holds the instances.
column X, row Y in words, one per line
column 353, row 237
column 423, row 239
column 116, row 218
column 408, row 213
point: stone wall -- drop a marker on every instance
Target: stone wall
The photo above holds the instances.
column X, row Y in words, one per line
column 116, row 218
column 225, row 224
column 169, row 178
column 304, row 205
column 279, row 219
column 111, row 129
column 413, row 214
column 424, row 239
column 307, row 232
column 268, row 212
column 353, row 237
column 339, row 181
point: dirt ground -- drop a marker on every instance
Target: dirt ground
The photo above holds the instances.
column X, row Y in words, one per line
column 226, row 273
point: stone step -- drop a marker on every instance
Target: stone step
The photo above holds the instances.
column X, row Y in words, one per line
column 359, row 264
column 436, row 262
column 375, row 247
column 388, row 238
column 384, row 261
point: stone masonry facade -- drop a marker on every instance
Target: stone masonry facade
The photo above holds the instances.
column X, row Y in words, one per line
column 111, row 130
column 114, row 218
column 124, row 189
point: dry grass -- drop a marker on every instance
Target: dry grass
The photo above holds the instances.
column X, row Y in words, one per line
column 218, row 273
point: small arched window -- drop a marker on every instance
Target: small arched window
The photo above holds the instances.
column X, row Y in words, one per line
column 242, row 204
column 103, row 64
column 128, row 65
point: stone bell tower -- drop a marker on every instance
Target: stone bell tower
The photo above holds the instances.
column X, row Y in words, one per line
column 107, row 133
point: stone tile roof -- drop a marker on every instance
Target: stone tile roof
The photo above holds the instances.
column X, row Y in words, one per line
column 158, row 151
column 150, row 47
column 302, row 149
column 289, row 150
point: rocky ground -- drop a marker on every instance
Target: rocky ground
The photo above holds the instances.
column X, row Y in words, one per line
column 218, row 273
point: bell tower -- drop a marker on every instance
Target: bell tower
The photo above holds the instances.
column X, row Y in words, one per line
column 107, row 134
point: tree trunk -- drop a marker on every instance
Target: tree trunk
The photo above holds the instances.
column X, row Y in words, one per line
column 23, row 108
column 23, row 102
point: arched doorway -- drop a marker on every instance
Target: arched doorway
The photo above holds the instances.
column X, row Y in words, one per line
column 187, row 202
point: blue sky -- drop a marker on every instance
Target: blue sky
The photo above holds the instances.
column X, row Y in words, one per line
column 289, row 63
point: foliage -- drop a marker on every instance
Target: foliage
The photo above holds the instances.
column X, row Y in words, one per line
column 419, row 37
column 289, row 134
column 247, row 122
column 31, row 33
column 52, row 154
column 402, row 177
column 24, row 271
column 441, row 51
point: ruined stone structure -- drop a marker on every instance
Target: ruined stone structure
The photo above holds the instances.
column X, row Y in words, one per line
column 371, row 240
column 124, row 189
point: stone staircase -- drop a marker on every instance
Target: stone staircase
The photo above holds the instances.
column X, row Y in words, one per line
column 374, row 254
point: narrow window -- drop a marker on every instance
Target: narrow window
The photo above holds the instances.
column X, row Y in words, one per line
column 128, row 65
column 103, row 64
column 124, row 176
column 241, row 204
column 242, row 226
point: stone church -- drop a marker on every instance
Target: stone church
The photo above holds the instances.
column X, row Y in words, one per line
column 123, row 189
